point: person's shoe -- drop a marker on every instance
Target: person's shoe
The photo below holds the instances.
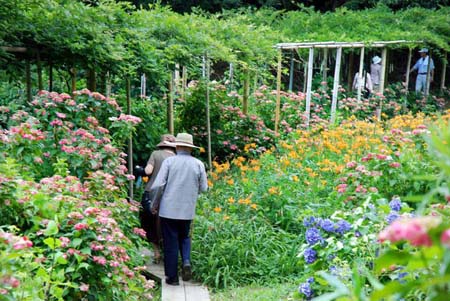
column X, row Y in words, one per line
column 172, row 281
column 186, row 272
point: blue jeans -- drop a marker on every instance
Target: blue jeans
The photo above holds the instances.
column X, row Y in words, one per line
column 175, row 234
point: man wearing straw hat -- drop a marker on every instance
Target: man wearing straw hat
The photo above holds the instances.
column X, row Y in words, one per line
column 184, row 178
column 422, row 69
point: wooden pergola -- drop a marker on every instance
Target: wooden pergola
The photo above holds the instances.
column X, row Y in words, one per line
column 339, row 46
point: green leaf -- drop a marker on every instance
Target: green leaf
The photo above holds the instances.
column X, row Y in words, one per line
column 76, row 242
column 52, row 243
column 334, row 281
column 391, row 257
column 52, row 229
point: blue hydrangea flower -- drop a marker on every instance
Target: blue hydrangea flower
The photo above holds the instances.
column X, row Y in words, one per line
column 392, row 217
column 313, row 236
column 327, row 225
column 333, row 270
column 343, row 226
column 309, row 221
column 310, row 255
column 310, row 280
column 305, row 289
column 395, row 204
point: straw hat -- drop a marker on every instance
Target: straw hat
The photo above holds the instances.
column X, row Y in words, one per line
column 166, row 141
column 185, row 139
column 376, row 59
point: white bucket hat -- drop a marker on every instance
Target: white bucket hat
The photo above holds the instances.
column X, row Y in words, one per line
column 424, row 50
column 184, row 139
column 376, row 59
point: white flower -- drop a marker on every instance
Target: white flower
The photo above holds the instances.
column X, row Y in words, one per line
column 339, row 246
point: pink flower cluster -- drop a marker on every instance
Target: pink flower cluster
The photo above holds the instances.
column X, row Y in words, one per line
column 414, row 230
column 17, row 242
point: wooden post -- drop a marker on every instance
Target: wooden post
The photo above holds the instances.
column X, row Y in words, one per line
column 337, row 70
column 382, row 79
column 444, row 68
column 183, row 82
column 305, row 76
column 50, row 76
column 231, row 73
column 108, row 84
column 170, row 106
column 177, row 78
column 361, row 80
column 130, row 141
column 246, row 90
column 39, row 70
column 291, row 72
column 383, row 69
column 309, row 85
column 408, row 69
column 28, row 79
column 427, row 80
column 325, row 65
column 277, row 106
column 208, row 121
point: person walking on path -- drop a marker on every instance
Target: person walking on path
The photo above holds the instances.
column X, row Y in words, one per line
column 422, row 69
column 151, row 222
column 184, row 178
column 375, row 72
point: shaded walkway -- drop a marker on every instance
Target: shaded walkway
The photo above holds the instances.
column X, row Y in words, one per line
column 186, row 291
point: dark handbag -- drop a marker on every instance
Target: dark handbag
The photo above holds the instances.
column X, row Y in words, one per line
column 152, row 199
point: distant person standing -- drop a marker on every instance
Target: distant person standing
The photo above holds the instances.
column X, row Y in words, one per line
column 422, row 68
column 150, row 222
column 375, row 72
column 184, row 178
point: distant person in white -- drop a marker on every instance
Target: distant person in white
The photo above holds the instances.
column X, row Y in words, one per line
column 422, row 68
column 375, row 72
column 184, row 178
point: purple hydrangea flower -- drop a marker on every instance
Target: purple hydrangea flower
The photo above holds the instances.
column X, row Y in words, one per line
column 395, row 204
column 305, row 289
column 313, row 236
column 310, row 280
column 392, row 217
column 343, row 226
column 327, row 225
column 309, row 221
column 310, row 255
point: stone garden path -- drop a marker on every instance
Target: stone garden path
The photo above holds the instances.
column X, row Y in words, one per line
column 186, row 291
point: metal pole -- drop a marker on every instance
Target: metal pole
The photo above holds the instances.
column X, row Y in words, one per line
column 277, row 107
column 291, row 72
column 444, row 68
column 130, row 141
column 427, row 81
column 170, row 106
column 337, row 70
column 382, row 79
column 361, row 82
column 325, row 64
column 309, row 85
column 208, row 122
column 408, row 69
